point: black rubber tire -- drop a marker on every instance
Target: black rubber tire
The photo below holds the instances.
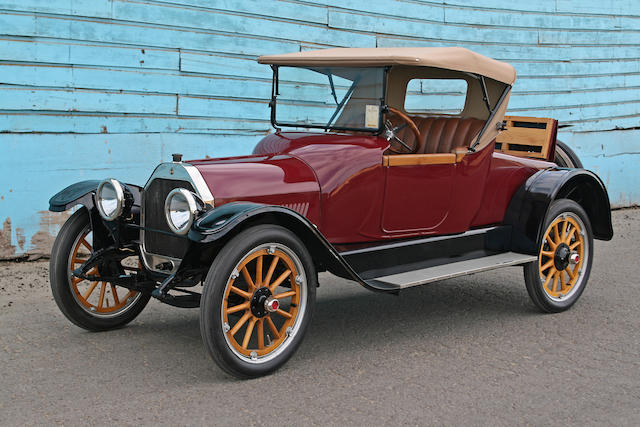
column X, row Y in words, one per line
column 211, row 326
column 566, row 157
column 61, row 289
column 531, row 272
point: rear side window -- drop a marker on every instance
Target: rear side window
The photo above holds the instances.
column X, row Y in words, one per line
column 435, row 96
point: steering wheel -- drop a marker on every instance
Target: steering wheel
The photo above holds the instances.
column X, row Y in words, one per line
column 391, row 132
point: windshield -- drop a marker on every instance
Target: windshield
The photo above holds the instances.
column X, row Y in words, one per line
column 329, row 98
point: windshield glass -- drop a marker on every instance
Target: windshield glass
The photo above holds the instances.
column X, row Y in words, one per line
column 329, row 98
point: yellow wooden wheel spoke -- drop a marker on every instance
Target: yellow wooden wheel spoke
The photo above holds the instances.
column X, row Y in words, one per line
column 555, row 281
column 237, row 308
column 260, row 332
column 244, row 294
column 563, row 281
column 272, row 267
column 241, row 322
column 546, row 265
column 284, row 313
column 285, row 295
column 116, row 301
column 557, row 240
column 272, row 326
column 90, row 290
column 259, row 271
column 575, row 245
column 547, row 253
column 567, row 240
column 547, row 280
column 249, row 332
column 247, row 277
column 279, row 280
column 86, row 244
column 101, row 300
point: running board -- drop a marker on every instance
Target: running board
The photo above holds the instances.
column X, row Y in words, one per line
column 446, row 271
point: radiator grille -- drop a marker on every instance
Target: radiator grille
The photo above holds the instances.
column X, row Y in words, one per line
column 157, row 243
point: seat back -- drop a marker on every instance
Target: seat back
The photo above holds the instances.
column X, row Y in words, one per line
column 441, row 134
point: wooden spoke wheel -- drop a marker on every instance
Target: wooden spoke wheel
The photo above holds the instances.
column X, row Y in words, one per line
column 94, row 305
column 99, row 298
column 257, row 301
column 269, row 286
column 557, row 279
column 561, row 256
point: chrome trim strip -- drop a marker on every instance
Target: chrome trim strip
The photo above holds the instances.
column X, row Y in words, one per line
column 198, row 182
column 174, row 171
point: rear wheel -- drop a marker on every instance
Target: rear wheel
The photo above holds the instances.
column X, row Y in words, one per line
column 257, row 301
column 557, row 279
column 566, row 157
column 92, row 305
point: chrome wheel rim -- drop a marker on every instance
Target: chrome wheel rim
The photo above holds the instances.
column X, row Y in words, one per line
column 565, row 237
column 269, row 271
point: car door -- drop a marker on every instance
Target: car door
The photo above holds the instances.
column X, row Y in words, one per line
column 418, row 191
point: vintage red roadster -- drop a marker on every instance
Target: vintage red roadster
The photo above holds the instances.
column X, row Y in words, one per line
column 399, row 169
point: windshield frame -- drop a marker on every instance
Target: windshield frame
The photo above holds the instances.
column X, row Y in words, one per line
column 278, row 125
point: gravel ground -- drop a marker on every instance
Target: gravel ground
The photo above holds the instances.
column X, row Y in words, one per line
column 470, row 350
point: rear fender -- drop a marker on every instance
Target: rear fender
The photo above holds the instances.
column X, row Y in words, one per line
column 529, row 206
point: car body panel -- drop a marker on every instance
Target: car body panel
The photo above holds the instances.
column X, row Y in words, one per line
column 276, row 179
column 363, row 201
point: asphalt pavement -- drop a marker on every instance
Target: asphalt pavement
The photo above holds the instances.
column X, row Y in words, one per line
column 471, row 350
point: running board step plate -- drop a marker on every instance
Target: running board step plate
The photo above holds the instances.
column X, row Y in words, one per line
column 447, row 271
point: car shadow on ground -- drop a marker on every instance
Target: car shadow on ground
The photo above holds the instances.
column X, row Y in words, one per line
column 354, row 321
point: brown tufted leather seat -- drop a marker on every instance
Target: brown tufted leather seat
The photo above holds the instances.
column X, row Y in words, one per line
column 440, row 134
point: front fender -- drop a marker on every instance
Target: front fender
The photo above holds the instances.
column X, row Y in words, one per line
column 529, row 206
column 81, row 193
column 219, row 225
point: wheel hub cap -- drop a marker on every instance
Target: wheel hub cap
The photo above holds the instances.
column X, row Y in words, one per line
column 261, row 300
column 561, row 256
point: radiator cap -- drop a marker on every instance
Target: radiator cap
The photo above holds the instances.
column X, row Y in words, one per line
column 177, row 157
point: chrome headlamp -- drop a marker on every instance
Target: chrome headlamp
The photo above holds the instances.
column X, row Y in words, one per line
column 110, row 199
column 181, row 208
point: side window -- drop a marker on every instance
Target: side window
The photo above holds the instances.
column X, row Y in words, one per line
column 435, row 96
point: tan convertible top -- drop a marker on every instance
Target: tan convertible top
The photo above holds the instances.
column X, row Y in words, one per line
column 450, row 58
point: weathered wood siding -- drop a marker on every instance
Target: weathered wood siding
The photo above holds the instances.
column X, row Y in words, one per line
column 97, row 88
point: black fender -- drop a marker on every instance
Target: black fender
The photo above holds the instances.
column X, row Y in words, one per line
column 529, row 206
column 217, row 226
column 80, row 193
column 83, row 193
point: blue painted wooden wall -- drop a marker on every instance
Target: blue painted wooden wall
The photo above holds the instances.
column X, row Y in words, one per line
column 99, row 88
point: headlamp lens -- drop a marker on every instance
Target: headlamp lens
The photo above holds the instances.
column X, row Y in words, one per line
column 110, row 198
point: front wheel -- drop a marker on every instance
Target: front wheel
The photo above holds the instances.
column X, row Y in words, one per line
column 92, row 305
column 557, row 279
column 257, row 301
